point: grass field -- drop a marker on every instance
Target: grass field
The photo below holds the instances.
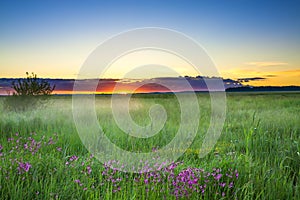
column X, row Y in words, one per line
column 256, row 157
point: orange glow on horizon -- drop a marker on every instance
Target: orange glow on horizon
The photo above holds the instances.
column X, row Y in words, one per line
column 147, row 88
column 128, row 86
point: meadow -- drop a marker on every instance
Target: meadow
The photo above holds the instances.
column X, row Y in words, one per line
column 256, row 157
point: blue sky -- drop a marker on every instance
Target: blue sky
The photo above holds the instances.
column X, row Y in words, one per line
column 53, row 38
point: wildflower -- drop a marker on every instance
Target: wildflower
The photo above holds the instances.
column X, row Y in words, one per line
column 218, row 177
column 228, row 175
column 154, row 149
column 194, row 181
column 50, row 141
column 73, row 158
column 222, row 184
column 77, row 181
column 24, row 167
column 89, row 169
column 58, row 148
column 27, row 166
column 237, row 175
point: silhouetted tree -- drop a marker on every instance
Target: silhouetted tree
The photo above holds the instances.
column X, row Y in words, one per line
column 32, row 86
column 30, row 92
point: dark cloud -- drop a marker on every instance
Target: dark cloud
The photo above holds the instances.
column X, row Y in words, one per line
column 270, row 76
column 160, row 84
column 250, row 79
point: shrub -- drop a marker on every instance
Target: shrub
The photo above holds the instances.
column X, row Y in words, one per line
column 29, row 93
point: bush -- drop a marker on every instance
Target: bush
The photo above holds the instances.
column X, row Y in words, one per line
column 29, row 93
column 32, row 86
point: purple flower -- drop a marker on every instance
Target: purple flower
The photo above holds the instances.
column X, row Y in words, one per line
column 27, row 166
column 222, row 184
column 154, row 149
column 218, row 177
column 50, row 141
column 73, row 158
column 195, row 181
column 24, row 167
column 89, row 169
column 77, row 181
column 58, row 148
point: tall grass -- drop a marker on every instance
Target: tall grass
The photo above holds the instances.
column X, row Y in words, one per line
column 260, row 139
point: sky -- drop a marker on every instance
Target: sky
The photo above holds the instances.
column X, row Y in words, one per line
column 245, row 38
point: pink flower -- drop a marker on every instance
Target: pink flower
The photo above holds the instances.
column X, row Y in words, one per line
column 73, row 158
column 77, row 181
column 58, row 148
column 222, row 184
column 89, row 169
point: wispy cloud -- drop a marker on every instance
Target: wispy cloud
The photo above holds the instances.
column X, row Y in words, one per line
column 266, row 64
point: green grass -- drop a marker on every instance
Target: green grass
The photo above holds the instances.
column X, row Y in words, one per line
column 260, row 139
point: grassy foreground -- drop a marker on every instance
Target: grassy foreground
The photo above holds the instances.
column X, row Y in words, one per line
column 256, row 157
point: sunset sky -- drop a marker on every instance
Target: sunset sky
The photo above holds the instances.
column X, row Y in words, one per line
column 245, row 38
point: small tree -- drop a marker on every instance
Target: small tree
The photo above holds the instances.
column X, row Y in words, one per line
column 32, row 86
column 29, row 93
